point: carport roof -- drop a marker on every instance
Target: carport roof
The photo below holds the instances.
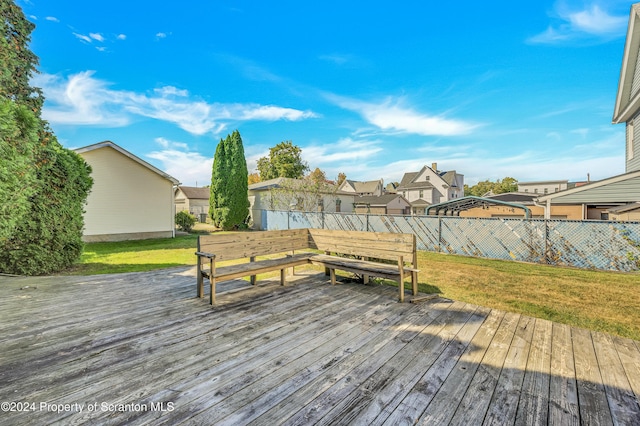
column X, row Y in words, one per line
column 454, row 207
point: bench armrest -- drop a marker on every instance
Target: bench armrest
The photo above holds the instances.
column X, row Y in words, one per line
column 207, row 255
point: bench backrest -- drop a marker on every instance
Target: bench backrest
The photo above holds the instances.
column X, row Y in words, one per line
column 380, row 245
column 239, row 245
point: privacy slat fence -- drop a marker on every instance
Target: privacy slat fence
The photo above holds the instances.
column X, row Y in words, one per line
column 605, row 245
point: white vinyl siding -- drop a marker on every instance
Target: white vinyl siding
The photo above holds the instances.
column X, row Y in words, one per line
column 126, row 198
column 632, row 154
column 635, row 86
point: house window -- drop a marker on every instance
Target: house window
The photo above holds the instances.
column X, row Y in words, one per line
column 338, row 204
column 526, row 190
column 535, row 190
column 421, row 193
column 320, row 205
column 546, row 190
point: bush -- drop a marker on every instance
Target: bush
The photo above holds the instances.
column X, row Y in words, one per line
column 185, row 221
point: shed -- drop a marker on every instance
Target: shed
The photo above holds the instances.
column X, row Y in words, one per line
column 130, row 198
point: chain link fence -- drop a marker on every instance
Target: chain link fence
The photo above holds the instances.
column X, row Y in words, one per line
column 604, row 245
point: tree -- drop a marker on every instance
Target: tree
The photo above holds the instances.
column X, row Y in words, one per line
column 341, row 178
column 229, row 203
column 253, row 178
column 318, row 176
column 41, row 228
column 284, row 160
column 508, row 184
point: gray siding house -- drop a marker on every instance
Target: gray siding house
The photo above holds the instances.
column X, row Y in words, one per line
column 602, row 198
column 627, row 106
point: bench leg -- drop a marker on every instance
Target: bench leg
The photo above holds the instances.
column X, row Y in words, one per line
column 212, row 295
column 283, row 276
column 332, row 274
column 401, row 290
column 253, row 277
column 200, row 285
column 414, row 282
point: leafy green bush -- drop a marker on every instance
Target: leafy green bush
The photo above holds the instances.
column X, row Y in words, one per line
column 185, row 220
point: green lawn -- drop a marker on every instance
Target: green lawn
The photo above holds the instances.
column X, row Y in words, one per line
column 602, row 301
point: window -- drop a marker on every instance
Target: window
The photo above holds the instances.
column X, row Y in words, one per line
column 421, row 193
column 338, row 205
column 535, row 190
column 546, row 190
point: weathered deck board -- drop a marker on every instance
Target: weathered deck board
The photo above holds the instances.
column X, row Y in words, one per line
column 307, row 353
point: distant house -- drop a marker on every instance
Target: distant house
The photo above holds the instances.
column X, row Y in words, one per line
column 382, row 204
column 130, row 198
column 193, row 200
column 430, row 186
column 363, row 189
column 543, row 187
column 296, row 194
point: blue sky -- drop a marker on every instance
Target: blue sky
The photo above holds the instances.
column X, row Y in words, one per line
column 373, row 89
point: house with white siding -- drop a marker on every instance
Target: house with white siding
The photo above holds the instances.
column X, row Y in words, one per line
column 363, row 189
column 130, row 198
column 194, row 200
column 430, row 186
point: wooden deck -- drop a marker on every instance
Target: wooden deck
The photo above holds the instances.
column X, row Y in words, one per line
column 141, row 349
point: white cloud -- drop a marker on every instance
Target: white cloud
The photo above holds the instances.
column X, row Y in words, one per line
column 345, row 150
column 96, row 36
column 272, row 113
column 121, row 37
column 81, row 99
column 391, row 115
column 589, row 21
column 83, row 37
column 52, row 19
column 161, row 35
column 190, row 168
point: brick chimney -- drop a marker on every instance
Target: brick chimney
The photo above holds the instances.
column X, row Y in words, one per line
column 434, row 166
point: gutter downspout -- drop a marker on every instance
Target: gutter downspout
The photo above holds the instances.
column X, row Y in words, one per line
column 546, row 208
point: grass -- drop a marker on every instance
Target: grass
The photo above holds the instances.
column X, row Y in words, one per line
column 601, row 301
column 136, row 256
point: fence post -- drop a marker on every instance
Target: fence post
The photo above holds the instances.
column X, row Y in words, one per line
column 288, row 219
column 546, row 242
column 367, row 222
column 322, row 220
column 439, row 234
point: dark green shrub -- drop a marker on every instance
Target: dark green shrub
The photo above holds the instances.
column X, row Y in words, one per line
column 185, row 220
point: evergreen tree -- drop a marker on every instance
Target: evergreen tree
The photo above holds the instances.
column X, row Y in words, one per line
column 41, row 228
column 217, row 188
column 228, row 201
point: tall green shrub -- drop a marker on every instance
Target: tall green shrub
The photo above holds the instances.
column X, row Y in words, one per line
column 18, row 145
column 229, row 202
column 41, row 226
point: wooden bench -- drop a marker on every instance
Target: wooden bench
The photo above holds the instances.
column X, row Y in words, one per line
column 248, row 245
column 367, row 252
column 368, row 248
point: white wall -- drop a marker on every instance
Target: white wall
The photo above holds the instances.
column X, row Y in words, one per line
column 127, row 201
